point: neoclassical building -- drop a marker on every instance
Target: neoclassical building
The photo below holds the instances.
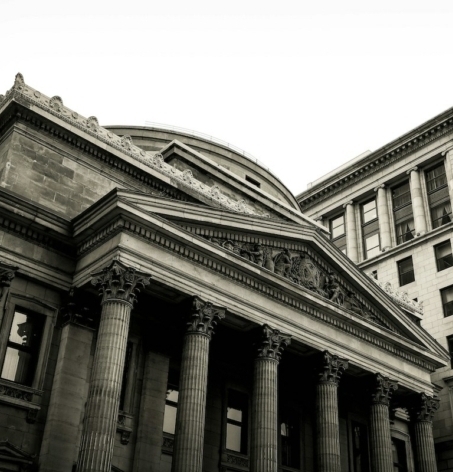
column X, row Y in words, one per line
column 390, row 212
column 166, row 306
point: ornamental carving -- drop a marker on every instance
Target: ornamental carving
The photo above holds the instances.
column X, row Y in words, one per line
column 272, row 343
column 7, row 274
column 424, row 408
column 73, row 312
column 119, row 282
column 301, row 268
column 331, row 368
column 16, row 393
column 383, row 390
column 237, row 460
column 204, row 317
column 91, row 126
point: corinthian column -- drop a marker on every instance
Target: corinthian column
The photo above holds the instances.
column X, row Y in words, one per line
column 118, row 285
column 417, row 201
column 327, row 422
column 351, row 233
column 264, row 454
column 190, row 417
column 380, row 438
column 422, row 416
column 384, row 217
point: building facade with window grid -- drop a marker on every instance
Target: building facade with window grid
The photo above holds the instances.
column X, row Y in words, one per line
column 411, row 181
column 161, row 312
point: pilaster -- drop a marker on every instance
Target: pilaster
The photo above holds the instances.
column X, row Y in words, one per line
column 118, row 285
column 417, row 201
column 264, row 445
column 327, row 422
column 380, row 437
column 190, row 417
column 351, row 232
column 384, row 217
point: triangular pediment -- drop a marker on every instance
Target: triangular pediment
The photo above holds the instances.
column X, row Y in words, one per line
column 295, row 260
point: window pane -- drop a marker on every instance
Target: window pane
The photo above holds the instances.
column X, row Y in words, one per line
column 233, row 442
column 21, row 330
column 444, row 256
column 337, row 227
column 369, row 211
column 436, row 178
column 406, row 271
column 234, row 414
column 441, row 214
column 170, row 419
column 16, row 365
column 401, row 195
column 372, row 245
column 447, row 300
column 172, row 395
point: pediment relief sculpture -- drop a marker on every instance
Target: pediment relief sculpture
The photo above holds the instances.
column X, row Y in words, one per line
column 301, row 268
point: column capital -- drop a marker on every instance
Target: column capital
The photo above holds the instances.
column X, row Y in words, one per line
column 319, row 218
column 7, row 274
column 412, row 169
column 331, row 368
column 272, row 343
column 204, row 317
column 382, row 186
column 119, row 282
column 383, row 389
column 351, row 202
column 424, row 408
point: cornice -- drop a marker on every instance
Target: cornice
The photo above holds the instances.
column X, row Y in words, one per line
column 269, row 285
column 26, row 95
column 376, row 161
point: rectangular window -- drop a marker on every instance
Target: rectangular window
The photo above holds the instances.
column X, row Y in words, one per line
column 370, row 229
column 360, row 447
column 438, row 196
column 406, row 271
column 447, row 300
column 450, row 348
column 171, row 407
column 399, row 455
column 338, row 232
column 402, row 213
column 444, row 258
column 23, row 347
column 237, row 421
column 290, row 438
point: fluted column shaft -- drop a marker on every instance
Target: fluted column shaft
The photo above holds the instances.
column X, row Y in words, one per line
column 105, row 388
column 327, row 420
column 422, row 416
column 417, row 202
column 351, row 233
column 188, row 448
column 264, row 445
column 380, row 438
column 384, row 218
column 190, row 417
column 118, row 285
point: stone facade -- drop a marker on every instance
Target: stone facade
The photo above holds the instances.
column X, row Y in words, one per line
column 166, row 306
column 407, row 189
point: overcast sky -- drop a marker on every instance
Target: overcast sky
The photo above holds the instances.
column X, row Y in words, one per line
column 303, row 86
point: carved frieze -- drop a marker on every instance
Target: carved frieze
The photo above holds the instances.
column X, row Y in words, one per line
column 272, row 343
column 301, row 268
column 424, row 408
column 203, row 317
column 119, row 282
column 331, row 368
column 383, row 389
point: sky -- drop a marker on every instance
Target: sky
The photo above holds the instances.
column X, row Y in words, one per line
column 303, row 86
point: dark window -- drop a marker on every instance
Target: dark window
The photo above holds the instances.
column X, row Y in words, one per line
column 447, row 300
column 360, row 447
column 171, row 407
column 438, row 196
column 406, row 271
column 237, row 417
column 444, row 257
column 127, row 365
column 23, row 347
column 290, row 438
column 252, row 181
column 370, row 229
column 338, row 232
column 450, row 348
column 399, row 455
column 402, row 213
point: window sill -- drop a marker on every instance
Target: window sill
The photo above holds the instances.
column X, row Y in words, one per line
column 20, row 396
